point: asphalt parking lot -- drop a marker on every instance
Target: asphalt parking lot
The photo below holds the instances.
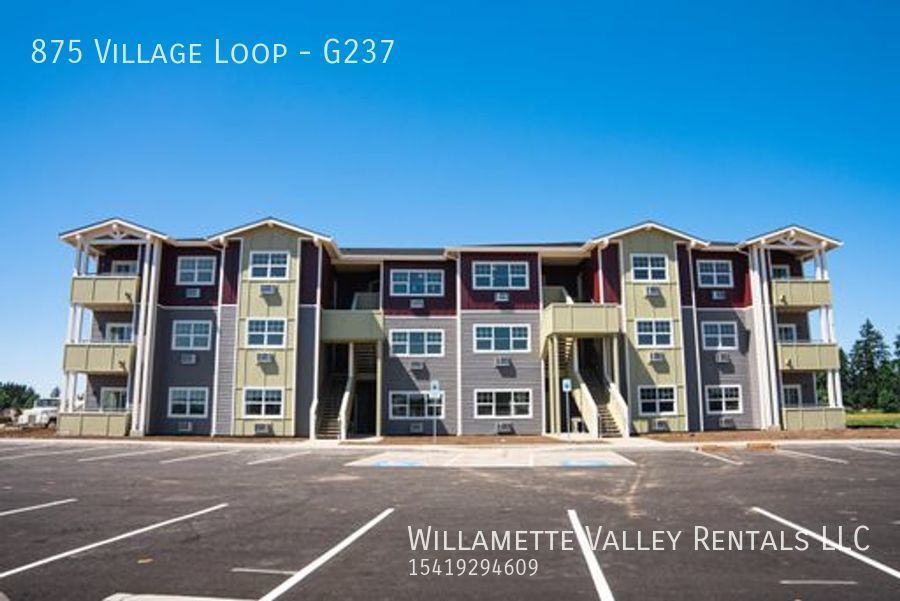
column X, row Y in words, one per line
column 90, row 521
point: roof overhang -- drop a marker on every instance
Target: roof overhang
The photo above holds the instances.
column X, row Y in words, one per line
column 605, row 239
column 111, row 230
column 270, row 222
column 793, row 238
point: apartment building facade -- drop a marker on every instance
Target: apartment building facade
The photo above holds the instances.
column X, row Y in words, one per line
column 270, row 329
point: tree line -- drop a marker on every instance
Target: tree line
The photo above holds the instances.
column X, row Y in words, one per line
column 870, row 372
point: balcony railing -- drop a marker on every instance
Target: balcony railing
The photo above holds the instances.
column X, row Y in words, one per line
column 352, row 325
column 808, row 356
column 580, row 319
column 801, row 293
column 108, row 358
column 106, row 292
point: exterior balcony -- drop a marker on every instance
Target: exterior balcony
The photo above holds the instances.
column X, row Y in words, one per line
column 587, row 320
column 808, row 356
column 98, row 358
column 801, row 294
column 106, row 292
column 364, row 322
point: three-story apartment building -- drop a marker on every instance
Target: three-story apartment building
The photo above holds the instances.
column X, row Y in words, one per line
column 270, row 329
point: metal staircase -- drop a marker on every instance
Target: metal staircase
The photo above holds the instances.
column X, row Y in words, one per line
column 329, row 408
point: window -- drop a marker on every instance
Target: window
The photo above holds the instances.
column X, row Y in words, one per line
column 118, row 332
column 714, row 274
column 417, row 282
column 416, row 405
column 123, row 267
column 723, row 399
column 188, row 401
column 781, row 272
column 657, row 400
column 649, row 268
column 787, row 332
column 191, row 335
column 417, row 343
column 719, row 335
column 266, row 265
column 654, row 333
column 265, row 332
column 113, row 398
column 502, row 339
column 792, row 395
column 263, row 402
column 503, row 403
column 196, row 271
column 496, row 275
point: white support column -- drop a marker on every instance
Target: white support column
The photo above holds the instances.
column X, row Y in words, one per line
column 771, row 343
column 762, row 371
column 150, row 335
column 139, row 339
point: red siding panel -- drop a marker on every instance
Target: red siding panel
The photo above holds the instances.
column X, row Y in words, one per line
column 232, row 272
column 781, row 257
column 309, row 272
column 684, row 275
column 170, row 293
column 736, row 297
column 484, row 299
column 118, row 253
column 399, row 305
column 612, row 275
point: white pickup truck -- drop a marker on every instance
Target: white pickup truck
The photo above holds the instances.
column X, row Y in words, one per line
column 43, row 414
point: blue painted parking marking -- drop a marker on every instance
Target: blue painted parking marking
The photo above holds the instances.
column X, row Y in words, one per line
column 585, row 463
column 396, row 463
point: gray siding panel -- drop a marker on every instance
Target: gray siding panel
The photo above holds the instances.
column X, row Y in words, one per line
column 225, row 378
column 741, row 369
column 305, row 372
column 690, row 370
column 398, row 376
column 479, row 372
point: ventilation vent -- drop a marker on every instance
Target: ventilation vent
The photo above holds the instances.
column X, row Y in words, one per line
column 653, row 292
column 264, row 429
column 185, row 427
column 268, row 290
column 188, row 358
column 718, row 295
column 501, row 297
column 416, row 303
column 502, row 362
column 657, row 357
column 191, row 293
column 505, row 428
column 723, row 358
column 265, row 358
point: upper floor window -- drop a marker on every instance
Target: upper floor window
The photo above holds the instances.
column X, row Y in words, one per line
column 266, row 332
column 500, row 275
column 417, row 343
column 723, row 399
column 781, row 272
column 188, row 401
column 714, row 274
column 417, row 282
column 416, row 405
column 118, row 332
column 654, row 332
column 787, row 332
column 266, row 265
column 649, row 268
column 502, row 338
column 263, row 402
column 719, row 335
column 191, row 335
column 657, row 400
column 123, row 267
column 196, row 271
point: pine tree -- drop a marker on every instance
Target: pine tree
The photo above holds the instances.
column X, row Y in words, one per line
column 867, row 385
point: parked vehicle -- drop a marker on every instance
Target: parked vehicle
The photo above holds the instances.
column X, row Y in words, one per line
column 43, row 414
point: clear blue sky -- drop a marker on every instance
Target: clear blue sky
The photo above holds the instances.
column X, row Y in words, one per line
column 721, row 120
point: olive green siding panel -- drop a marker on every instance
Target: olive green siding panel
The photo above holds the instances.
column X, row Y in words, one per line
column 808, row 356
column 93, row 424
column 580, row 319
column 801, row 294
column 98, row 358
column 352, row 325
column 818, row 418
column 105, row 291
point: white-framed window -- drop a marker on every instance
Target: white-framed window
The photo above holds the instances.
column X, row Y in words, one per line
column 191, row 335
column 654, row 333
column 714, row 274
column 123, row 267
column 500, row 275
column 417, row 343
column 503, row 403
column 188, row 401
column 119, row 332
column 415, row 404
column 649, row 268
column 263, row 402
column 266, row 333
column 719, row 335
column 723, row 398
column 196, row 271
column 657, row 400
column 502, row 338
column 792, row 395
column 417, row 282
column 787, row 332
column 268, row 265
column 113, row 398
column 781, row 271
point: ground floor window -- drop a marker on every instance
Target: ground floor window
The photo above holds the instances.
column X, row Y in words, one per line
column 792, row 395
column 263, row 402
column 113, row 398
column 185, row 401
column 502, row 403
column 723, row 399
column 416, row 405
column 657, row 400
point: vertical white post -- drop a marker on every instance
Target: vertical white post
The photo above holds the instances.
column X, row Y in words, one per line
column 150, row 335
column 139, row 340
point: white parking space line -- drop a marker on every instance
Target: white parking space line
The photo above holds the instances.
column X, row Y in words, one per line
column 322, row 559
column 600, row 583
column 35, row 507
column 52, row 558
column 263, row 571
column 22, row 447
column 879, row 451
column 811, row 456
column 45, row 453
column 719, row 457
column 277, row 458
column 127, row 454
column 831, row 544
column 201, row 456
column 453, row 459
column 820, row 582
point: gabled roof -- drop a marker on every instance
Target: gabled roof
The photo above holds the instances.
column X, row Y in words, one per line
column 650, row 225
column 270, row 222
column 112, row 224
column 791, row 232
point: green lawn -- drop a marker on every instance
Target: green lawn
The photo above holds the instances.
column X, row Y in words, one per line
column 873, row 419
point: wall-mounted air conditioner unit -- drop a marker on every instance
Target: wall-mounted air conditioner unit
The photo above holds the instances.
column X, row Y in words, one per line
column 727, row 423
column 723, row 358
column 718, row 295
column 191, row 293
column 503, row 362
column 263, row 429
column 265, row 358
column 659, row 425
column 416, row 427
column 189, row 358
column 185, row 427
column 268, row 290
column 417, row 365
column 657, row 357
column 501, row 297
column 652, row 292
column 417, row 303
column 505, row 428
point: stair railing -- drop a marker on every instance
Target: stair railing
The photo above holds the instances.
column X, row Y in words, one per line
column 347, row 397
column 618, row 408
column 590, row 414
